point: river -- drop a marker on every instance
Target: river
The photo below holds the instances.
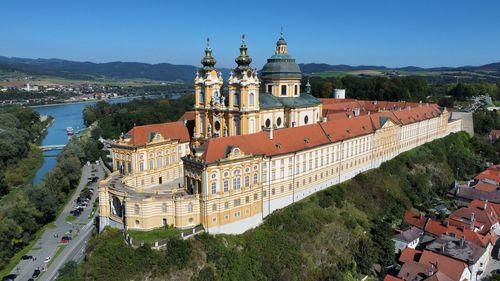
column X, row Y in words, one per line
column 65, row 115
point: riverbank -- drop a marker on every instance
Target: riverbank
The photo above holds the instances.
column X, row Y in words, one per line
column 24, row 171
column 86, row 101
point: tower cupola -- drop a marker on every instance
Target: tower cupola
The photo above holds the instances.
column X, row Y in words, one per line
column 243, row 60
column 208, row 60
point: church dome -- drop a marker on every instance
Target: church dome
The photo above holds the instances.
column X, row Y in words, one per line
column 281, row 64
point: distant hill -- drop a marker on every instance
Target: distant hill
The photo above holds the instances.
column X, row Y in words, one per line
column 89, row 70
column 309, row 68
column 185, row 73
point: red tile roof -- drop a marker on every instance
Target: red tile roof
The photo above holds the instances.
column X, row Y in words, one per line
column 392, row 278
column 485, row 213
column 340, row 128
column 140, row 135
column 492, row 173
column 484, row 186
column 284, row 141
column 415, row 219
column 419, row 263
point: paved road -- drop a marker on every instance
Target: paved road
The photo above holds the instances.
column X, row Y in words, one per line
column 48, row 244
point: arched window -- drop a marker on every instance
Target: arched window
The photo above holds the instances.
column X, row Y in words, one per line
column 236, row 99
column 141, row 166
column 247, row 181
column 251, row 99
column 255, row 178
column 283, row 90
column 202, row 97
column 159, row 162
column 226, row 186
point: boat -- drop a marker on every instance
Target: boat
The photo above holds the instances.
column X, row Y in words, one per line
column 69, row 131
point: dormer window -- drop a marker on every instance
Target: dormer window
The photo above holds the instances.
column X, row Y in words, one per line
column 236, row 151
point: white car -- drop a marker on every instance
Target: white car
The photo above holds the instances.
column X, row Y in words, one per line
column 47, row 259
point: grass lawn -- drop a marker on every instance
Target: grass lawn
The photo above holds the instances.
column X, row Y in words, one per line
column 94, row 208
column 70, row 218
column 155, row 234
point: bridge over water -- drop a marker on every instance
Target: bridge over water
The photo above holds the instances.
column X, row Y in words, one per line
column 52, row 147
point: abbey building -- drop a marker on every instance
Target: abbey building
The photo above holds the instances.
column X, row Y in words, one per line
column 254, row 143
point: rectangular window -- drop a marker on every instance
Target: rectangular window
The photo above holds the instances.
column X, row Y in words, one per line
column 247, row 181
column 237, row 183
column 237, row 202
column 226, row 186
column 214, row 187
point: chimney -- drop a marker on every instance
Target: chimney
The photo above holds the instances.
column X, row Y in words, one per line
column 472, row 219
column 431, row 270
column 324, row 119
column 357, row 110
column 486, row 204
column 269, row 132
column 462, row 241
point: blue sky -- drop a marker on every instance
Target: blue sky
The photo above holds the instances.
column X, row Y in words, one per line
column 392, row 33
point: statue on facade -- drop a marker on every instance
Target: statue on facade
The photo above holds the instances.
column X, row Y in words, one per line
column 223, row 100
column 209, row 132
column 225, row 131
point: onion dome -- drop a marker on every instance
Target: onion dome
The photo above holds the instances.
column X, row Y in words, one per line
column 281, row 41
column 243, row 60
column 208, row 60
column 281, row 64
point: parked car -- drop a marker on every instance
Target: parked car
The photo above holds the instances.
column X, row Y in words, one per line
column 47, row 259
column 27, row 257
column 10, row 277
column 36, row 273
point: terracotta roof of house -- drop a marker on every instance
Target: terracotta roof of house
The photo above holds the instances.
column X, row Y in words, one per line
column 451, row 267
column 418, row 264
column 409, row 254
column 492, row 173
column 485, row 213
column 392, row 278
column 141, row 135
column 484, row 186
column 415, row 219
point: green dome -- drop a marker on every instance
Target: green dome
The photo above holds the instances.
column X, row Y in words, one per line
column 281, row 66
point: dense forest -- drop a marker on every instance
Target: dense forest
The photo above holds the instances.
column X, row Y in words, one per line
column 401, row 88
column 335, row 234
column 118, row 118
column 20, row 127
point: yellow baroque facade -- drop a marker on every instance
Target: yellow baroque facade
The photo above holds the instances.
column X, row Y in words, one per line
column 257, row 147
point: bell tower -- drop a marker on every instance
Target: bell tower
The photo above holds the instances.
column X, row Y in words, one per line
column 208, row 98
column 243, row 88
